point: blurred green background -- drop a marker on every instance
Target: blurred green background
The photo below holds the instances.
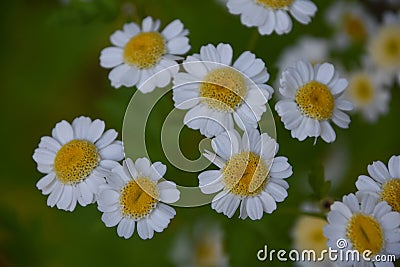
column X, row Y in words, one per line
column 50, row 71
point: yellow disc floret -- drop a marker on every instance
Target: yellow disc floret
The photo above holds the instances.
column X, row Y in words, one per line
column 223, row 89
column 275, row 4
column 309, row 234
column 391, row 193
column 355, row 28
column 365, row 233
column 245, row 174
column 144, row 50
column 75, row 161
column 385, row 47
column 315, row 100
column 139, row 197
column 361, row 89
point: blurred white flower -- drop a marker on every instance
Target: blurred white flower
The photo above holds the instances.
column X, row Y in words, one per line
column 351, row 22
column 384, row 45
column 202, row 247
column 368, row 91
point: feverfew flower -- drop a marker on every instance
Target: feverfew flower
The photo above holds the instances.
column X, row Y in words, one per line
column 312, row 49
column 368, row 91
column 353, row 24
column 384, row 46
column 311, row 98
column 363, row 222
column 217, row 94
column 272, row 15
column 383, row 182
column 308, row 234
column 250, row 175
column 76, row 159
column 133, row 197
column 202, row 247
column 139, row 53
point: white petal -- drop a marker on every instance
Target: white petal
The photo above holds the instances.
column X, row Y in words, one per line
column 111, row 219
column 111, row 57
column 254, row 208
column 63, row 132
column 325, row 73
column 394, row 166
column 112, row 152
column 126, row 227
column 168, row 192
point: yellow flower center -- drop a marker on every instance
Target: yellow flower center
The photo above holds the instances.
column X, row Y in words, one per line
column 355, row 28
column 385, row 47
column 245, row 174
column 139, row 197
column 391, row 193
column 308, row 234
column 361, row 89
column 275, row 4
column 144, row 50
column 365, row 233
column 315, row 100
column 75, row 161
column 206, row 253
column 223, row 89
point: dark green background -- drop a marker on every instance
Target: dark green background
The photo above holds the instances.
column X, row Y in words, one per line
column 49, row 71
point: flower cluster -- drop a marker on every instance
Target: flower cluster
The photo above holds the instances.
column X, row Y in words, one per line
column 225, row 98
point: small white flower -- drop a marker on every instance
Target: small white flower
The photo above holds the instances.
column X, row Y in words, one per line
column 272, row 15
column 312, row 97
column 363, row 222
column 217, row 94
column 76, row 160
column 383, row 182
column 250, row 175
column 139, row 53
column 133, row 197
column 308, row 234
column 384, row 46
column 352, row 23
column 202, row 247
column 368, row 91
column 312, row 49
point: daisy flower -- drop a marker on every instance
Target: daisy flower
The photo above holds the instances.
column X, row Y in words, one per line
column 352, row 23
column 384, row 46
column 383, row 182
column 311, row 98
column 134, row 196
column 250, row 175
column 139, row 53
column 308, row 234
column 363, row 222
column 203, row 247
column 76, row 159
column 368, row 91
column 217, row 94
column 272, row 15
